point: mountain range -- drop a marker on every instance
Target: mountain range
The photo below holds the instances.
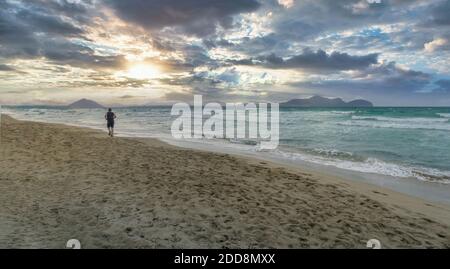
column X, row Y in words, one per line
column 319, row 101
column 315, row 101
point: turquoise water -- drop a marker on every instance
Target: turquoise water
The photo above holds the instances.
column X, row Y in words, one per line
column 405, row 142
column 402, row 142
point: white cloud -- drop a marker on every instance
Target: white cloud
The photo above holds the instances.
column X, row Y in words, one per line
column 286, row 3
column 435, row 44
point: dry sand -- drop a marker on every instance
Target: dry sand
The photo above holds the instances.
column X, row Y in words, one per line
column 59, row 182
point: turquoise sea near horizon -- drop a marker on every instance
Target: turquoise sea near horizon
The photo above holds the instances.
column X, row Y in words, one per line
column 392, row 141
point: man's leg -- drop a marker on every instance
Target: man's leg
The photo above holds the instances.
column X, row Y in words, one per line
column 112, row 131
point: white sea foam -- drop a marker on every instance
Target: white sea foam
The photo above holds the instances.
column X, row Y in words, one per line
column 443, row 115
column 375, row 166
column 398, row 123
column 343, row 112
column 403, row 120
column 395, row 126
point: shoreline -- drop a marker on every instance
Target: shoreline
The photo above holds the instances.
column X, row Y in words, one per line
column 241, row 198
column 427, row 190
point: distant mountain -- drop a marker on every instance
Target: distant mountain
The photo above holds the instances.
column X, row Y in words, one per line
column 85, row 103
column 319, row 101
column 359, row 103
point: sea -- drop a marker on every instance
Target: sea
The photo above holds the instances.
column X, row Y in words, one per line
column 411, row 143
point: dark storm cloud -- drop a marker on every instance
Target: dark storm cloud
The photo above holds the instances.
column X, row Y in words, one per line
column 440, row 14
column 210, row 89
column 209, row 94
column 62, row 52
column 161, row 45
column 309, row 19
column 54, row 30
column 198, row 17
column 127, row 96
column 272, row 43
column 22, row 29
column 15, row 37
column 9, row 70
column 196, row 56
column 78, row 11
column 4, row 67
column 36, row 18
column 44, row 28
column 191, row 80
column 318, row 61
column 110, row 82
column 442, row 86
column 211, row 43
column 376, row 39
column 49, row 24
column 387, row 85
column 384, row 79
column 317, row 23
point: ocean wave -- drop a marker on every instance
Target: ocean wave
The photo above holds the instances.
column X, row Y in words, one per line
column 32, row 112
column 331, row 153
column 343, row 112
column 248, row 142
column 375, row 166
column 398, row 123
column 443, row 115
column 404, row 120
column 6, row 111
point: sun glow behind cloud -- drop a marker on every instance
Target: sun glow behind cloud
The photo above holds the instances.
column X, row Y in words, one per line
column 141, row 71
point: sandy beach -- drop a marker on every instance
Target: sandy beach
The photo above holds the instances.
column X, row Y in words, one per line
column 59, row 182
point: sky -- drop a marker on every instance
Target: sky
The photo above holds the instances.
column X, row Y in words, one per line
column 139, row 52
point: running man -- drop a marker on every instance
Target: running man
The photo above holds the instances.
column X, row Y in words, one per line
column 110, row 117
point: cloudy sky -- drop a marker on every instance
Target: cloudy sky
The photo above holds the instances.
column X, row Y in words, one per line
column 392, row 52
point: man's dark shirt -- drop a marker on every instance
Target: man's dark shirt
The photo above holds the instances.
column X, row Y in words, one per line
column 110, row 117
